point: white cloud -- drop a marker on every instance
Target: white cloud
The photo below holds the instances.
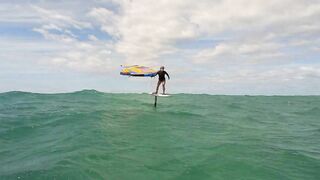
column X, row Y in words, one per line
column 65, row 38
column 92, row 37
column 282, row 80
column 17, row 13
column 252, row 35
column 87, row 57
column 106, row 19
column 147, row 30
column 59, row 19
column 246, row 51
column 53, row 20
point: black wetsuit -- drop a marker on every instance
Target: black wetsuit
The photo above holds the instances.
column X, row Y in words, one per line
column 162, row 74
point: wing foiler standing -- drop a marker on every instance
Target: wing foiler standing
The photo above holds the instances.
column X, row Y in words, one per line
column 162, row 80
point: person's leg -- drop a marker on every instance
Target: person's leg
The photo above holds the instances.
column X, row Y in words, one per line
column 159, row 82
column 164, row 87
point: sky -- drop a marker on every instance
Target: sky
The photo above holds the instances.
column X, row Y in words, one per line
column 207, row 46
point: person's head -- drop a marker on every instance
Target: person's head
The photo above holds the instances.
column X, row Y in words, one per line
column 162, row 68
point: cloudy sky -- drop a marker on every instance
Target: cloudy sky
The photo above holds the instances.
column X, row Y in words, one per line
column 208, row 46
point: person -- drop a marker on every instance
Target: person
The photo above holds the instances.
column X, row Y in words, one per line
column 162, row 80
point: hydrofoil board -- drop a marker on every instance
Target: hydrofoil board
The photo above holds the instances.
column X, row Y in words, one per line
column 160, row 95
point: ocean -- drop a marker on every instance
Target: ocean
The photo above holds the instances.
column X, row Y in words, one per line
column 94, row 135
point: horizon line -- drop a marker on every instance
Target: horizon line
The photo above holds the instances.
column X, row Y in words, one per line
column 179, row 93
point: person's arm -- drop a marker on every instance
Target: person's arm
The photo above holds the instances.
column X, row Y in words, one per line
column 167, row 75
column 155, row 74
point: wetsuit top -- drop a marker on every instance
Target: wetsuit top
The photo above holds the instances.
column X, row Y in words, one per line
column 162, row 74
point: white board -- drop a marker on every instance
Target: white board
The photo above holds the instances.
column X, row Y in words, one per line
column 160, row 95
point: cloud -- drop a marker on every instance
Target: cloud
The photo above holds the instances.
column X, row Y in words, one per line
column 146, row 31
column 257, row 30
column 143, row 29
column 57, row 26
column 59, row 19
column 282, row 80
column 234, row 39
column 107, row 20
column 244, row 51
column 86, row 57
column 92, row 37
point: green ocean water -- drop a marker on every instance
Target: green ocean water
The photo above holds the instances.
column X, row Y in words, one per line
column 94, row 135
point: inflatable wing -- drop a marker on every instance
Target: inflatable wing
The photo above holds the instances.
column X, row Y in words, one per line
column 137, row 70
